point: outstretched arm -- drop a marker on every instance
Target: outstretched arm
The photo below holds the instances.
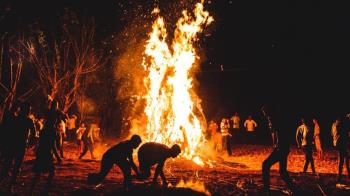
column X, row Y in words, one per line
column 297, row 137
column 159, row 171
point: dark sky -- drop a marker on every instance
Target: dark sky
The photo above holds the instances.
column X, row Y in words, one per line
column 293, row 54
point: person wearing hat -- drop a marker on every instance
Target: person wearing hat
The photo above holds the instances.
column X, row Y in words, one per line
column 121, row 155
column 152, row 153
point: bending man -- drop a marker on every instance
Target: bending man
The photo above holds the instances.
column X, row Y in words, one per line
column 152, row 153
column 121, row 155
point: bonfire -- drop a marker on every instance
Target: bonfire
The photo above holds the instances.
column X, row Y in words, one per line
column 173, row 110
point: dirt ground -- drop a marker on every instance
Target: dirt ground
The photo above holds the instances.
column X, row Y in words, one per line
column 236, row 175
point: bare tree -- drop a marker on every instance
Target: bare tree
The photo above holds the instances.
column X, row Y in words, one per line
column 62, row 63
column 10, row 73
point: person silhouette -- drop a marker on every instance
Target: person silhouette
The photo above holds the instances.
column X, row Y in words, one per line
column 152, row 153
column 47, row 148
column 25, row 134
column 279, row 154
column 121, row 155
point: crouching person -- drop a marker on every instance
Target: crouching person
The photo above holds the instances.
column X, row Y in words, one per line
column 121, row 155
column 152, row 153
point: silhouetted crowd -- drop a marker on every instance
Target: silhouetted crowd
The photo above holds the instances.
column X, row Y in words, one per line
column 22, row 131
column 307, row 138
column 46, row 137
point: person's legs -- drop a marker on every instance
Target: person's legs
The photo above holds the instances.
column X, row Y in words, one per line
column 283, row 171
column 34, row 181
column 85, row 149
column 228, row 145
column 6, row 165
column 341, row 157
column 347, row 163
column 126, row 169
column 49, row 180
column 145, row 171
column 17, row 165
column 106, row 165
column 268, row 162
column 61, row 144
column 307, row 159
column 224, row 143
column 91, row 149
column 311, row 159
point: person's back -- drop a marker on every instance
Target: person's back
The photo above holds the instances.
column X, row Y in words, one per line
column 51, row 116
column 304, row 136
column 25, row 128
column 121, row 155
column 120, row 151
column 151, row 153
column 337, row 133
column 282, row 137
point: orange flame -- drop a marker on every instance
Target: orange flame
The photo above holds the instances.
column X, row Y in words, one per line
column 170, row 101
column 194, row 185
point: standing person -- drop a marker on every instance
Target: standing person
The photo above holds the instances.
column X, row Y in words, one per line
column 71, row 127
column 121, row 155
column 80, row 132
column 46, row 149
column 88, row 141
column 39, row 126
column 24, row 132
column 152, row 153
column 279, row 154
column 250, row 126
column 61, row 135
column 304, row 139
column 236, row 134
column 340, row 141
column 317, row 138
column 215, row 135
column 7, row 128
column 226, row 136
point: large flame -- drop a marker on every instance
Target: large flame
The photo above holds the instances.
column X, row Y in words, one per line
column 171, row 104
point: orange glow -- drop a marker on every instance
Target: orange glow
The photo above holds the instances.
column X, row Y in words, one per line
column 170, row 100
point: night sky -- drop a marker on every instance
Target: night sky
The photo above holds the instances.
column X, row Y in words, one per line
column 287, row 53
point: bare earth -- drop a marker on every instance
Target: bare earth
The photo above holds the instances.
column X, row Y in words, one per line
column 237, row 175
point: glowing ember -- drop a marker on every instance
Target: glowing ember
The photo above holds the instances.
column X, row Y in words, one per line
column 195, row 185
column 171, row 107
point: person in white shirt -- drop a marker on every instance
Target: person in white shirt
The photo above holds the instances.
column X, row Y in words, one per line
column 226, row 136
column 250, row 126
column 304, row 138
column 317, row 138
column 235, row 128
column 71, row 127
column 215, row 136
column 80, row 131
